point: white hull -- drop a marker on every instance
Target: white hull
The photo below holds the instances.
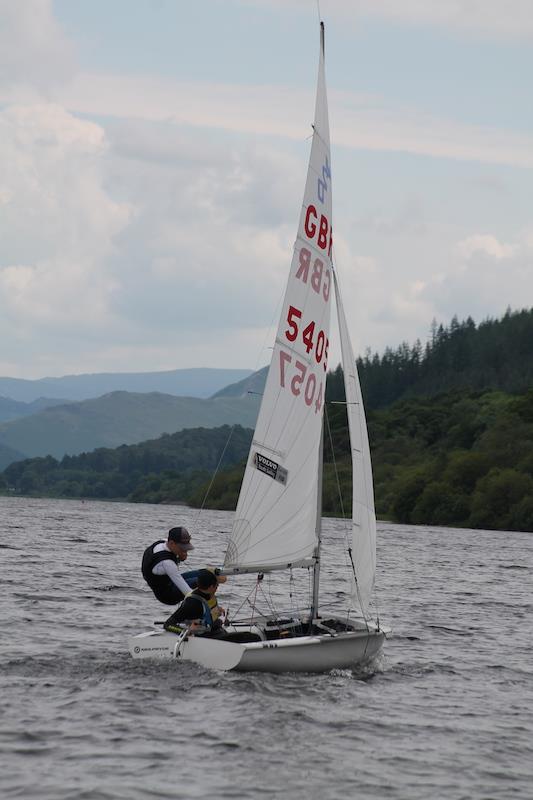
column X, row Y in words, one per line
column 315, row 653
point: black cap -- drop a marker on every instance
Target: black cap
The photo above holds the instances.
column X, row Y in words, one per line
column 181, row 536
column 206, row 578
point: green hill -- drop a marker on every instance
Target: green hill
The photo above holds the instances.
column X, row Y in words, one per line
column 12, row 409
column 253, row 384
column 450, row 425
column 120, row 418
column 162, row 470
column 463, row 459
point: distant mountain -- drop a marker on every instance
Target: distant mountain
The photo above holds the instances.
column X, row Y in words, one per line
column 253, row 384
column 12, row 409
column 199, row 382
column 8, row 455
column 120, row 418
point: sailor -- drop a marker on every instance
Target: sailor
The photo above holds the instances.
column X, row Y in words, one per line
column 199, row 611
column 160, row 566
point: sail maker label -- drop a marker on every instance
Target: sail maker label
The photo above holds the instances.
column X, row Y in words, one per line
column 270, row 468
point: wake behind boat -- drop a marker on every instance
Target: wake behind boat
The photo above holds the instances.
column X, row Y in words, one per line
column 277, row 523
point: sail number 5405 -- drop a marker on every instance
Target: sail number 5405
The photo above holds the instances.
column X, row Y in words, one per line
column 320, row 345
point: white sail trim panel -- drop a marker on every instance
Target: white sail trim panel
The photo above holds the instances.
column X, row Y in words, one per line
column 363, row 512
column 275, row 520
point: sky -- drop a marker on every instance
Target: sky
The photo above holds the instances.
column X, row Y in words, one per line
column 153, row 159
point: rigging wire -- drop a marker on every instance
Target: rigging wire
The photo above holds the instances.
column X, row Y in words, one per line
column 326, row 416
column 195, row 524
column 337, row 479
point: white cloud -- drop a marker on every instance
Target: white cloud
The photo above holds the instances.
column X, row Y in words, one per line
column 161, row 235
column 482, row 277
column 57, row 223
column 358, row 121
column 394, row 295
column 202, row 228
column 486, row 244
column 109, row 250
column 34, row 49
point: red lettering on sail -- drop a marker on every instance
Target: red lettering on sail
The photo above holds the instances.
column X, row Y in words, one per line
column 320, row 277
column 322, row 232
column 322, row 240
column 309, row 225
column 316, row 276
column 304, row 262
column 301, row 377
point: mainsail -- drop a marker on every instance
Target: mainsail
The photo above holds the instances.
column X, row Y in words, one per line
column 363, row 514
column 276, row 512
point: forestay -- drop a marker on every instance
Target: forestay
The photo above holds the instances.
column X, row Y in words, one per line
column 276, row 511
column 363, row 513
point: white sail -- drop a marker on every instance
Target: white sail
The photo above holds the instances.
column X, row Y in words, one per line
column 363, row 513
column 276, row 512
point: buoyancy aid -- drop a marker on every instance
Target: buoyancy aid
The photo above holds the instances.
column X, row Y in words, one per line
column 161, row 585
column 208, row 617
column 214, row 607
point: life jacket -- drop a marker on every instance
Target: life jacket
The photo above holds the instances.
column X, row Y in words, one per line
column 207, row 621
column 209, row 607
column 214, row 607
column 161, row 585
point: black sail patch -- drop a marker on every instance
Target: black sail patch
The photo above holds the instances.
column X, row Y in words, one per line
column 270, row 468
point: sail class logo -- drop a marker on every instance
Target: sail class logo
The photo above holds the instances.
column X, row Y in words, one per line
column 270, row 468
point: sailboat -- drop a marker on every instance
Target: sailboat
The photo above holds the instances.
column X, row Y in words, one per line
column 277, row 524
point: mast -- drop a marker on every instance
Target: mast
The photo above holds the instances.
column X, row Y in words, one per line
column 318, row 528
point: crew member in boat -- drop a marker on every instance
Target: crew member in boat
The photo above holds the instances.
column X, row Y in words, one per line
column 200, row 611
column 160, row 567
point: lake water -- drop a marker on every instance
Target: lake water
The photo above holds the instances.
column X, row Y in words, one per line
column 447, row 711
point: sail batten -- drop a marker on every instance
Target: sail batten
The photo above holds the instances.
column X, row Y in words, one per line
column 276, row 510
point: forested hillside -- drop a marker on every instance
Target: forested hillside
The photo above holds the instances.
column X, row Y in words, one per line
column 461, row 459
column 462, row 456
column 496, row 354
column 160, row 470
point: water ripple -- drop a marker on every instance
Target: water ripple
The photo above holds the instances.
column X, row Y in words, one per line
column 445, row 712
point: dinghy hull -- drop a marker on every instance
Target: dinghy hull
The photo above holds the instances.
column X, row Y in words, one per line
column 312, row 654
column 299, row 654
